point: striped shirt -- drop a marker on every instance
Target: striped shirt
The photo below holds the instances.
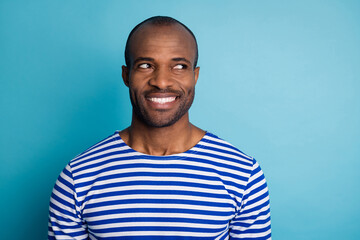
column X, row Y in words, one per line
column 110, row 191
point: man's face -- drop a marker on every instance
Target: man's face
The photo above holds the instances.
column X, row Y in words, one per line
column 161, row 78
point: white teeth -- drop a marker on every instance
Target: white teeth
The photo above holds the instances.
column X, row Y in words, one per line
column 163, row 100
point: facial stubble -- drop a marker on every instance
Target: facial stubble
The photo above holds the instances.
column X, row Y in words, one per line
column 144, row 115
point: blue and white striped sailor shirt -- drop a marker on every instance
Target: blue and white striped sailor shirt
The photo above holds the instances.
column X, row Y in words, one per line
column 110, row 191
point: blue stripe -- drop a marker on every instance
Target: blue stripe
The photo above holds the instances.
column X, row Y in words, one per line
column 159, row 201
column 101, row 143
column 90, row 159
column 157, row 210
column 237, row 155
column 157, row 219
column 60, row 218
column 155, row 237
column 159, row 166
column 63, row 191
column 148, row 174
column 254, row 230
column 157, row 192
column 159, row 229
column 63, row 211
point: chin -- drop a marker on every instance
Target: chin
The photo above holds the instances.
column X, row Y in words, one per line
column 159, row 118
column 160, row 123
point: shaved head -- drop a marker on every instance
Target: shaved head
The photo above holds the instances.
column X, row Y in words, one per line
column 159, row 21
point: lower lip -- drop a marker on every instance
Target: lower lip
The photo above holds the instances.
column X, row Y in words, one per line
column 162, row 106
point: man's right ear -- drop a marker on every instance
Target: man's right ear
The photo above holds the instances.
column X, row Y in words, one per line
column 125, row 75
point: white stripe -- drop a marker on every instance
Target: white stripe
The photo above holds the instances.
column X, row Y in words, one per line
column 252, row 221
column 63, row 207
column 243, row 158
column 167, row 162
column 251, row 235
column 160, row 224
column 158, row 215
column 228, row 144
column 152, row 187
column 63, row 187
column 158, row 206
column 254, row 213
column 157, row 233
column 161, row 197
column 255, row 195
column 83, row 161
column 96, row 146
column 146, row 178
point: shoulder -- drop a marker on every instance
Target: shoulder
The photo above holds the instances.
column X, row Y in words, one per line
column 213, row 142
column 222, row 153
column 98, row 150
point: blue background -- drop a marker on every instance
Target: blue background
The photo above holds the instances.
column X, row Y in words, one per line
column 278, row 79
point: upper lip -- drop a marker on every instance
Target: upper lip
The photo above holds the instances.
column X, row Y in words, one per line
column 162, row 94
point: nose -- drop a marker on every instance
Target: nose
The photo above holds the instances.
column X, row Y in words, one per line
column 161, row 78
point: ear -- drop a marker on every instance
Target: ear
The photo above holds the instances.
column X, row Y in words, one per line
column 125, row 75
column 196, row 72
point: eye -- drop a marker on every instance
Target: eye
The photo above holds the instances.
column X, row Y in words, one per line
column 144, row 65
column 180, row 66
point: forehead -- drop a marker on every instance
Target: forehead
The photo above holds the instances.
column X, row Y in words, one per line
column 163, row 41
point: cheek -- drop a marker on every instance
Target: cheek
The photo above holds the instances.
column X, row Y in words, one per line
column 189, row 86
column 133, row 94
column 187, row 81
column 135, row 85
column 138, row 82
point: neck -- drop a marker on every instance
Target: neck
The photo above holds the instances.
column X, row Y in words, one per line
column 173, row 139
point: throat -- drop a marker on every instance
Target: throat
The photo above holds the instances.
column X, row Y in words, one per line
column 162, row 143
column 161, row 150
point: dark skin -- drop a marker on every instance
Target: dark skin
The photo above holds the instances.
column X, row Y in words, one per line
column 161, row 81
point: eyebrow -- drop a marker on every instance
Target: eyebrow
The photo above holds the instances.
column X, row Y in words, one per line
column 144, row 59
column 181, row 59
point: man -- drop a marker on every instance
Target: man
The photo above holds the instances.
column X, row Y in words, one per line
column 161, row 178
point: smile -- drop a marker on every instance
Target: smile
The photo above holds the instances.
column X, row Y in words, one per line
column 162, row 100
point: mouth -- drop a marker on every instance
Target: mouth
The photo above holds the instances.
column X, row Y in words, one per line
column 162, row 100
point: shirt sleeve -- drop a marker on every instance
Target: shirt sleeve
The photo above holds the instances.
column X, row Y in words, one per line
column 64, row 212
column 253, row 218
